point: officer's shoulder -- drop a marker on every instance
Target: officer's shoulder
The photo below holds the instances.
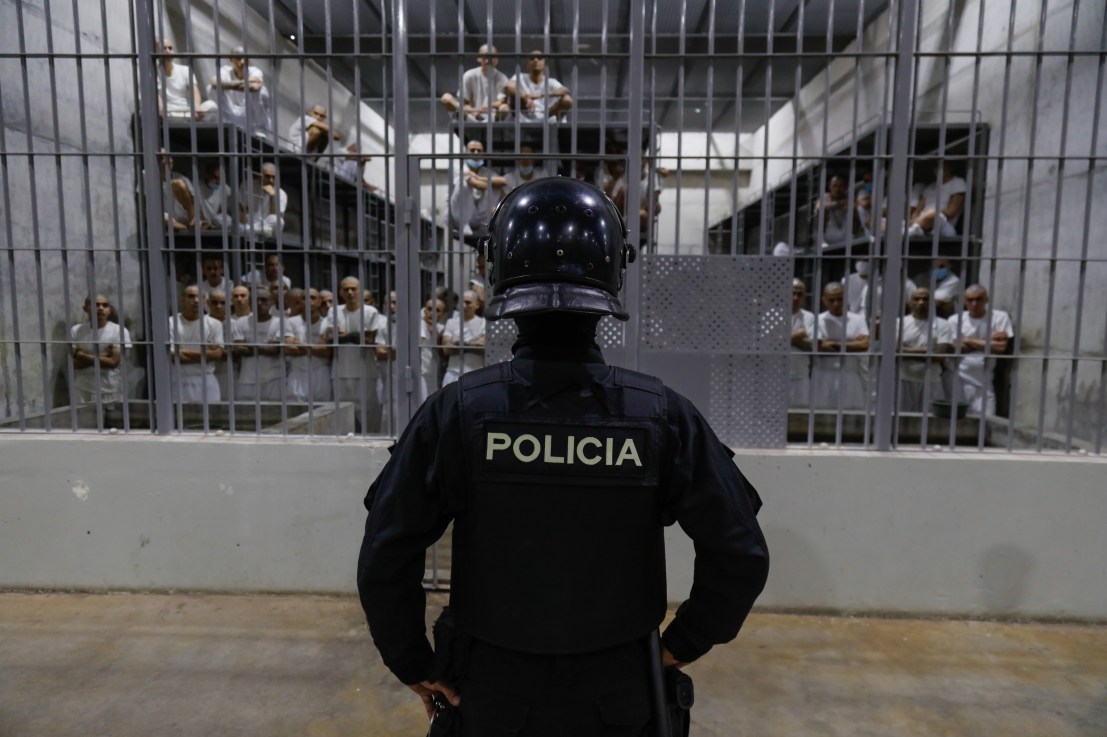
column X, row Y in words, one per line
column 497, row 373
column 637, row 380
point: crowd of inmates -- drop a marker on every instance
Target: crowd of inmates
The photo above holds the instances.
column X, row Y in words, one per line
column 238, row 94
column 935, row 207
column 947, row 341
column 262, row 339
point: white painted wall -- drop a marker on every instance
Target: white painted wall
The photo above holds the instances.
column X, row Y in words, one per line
column 949, row 534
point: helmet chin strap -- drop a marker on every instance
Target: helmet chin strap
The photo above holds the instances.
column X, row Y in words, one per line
column 630, row 253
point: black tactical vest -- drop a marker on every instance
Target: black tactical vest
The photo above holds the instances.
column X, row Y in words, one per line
column 560, row 547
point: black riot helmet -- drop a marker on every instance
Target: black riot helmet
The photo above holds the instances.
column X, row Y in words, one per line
column 556, row 244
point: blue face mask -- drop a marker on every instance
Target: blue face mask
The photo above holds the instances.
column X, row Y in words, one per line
column 526, row 171
column 941, row 273
column 474, row 163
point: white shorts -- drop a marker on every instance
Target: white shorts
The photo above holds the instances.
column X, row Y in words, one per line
column 196, row 389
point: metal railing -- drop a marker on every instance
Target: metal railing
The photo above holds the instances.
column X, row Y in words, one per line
column 820, row 133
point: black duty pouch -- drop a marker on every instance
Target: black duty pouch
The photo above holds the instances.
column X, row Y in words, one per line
column 680, row 696
column 451, row 655
column 451, row 650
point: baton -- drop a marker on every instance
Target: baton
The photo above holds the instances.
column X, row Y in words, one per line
column 657, row 687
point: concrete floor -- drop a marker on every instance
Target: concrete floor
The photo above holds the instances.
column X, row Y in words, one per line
column 205, row 665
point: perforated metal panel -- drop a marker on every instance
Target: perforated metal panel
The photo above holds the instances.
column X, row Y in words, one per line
column 501, row 334
column 717, row 329
column 498, row 337
column 716, row 304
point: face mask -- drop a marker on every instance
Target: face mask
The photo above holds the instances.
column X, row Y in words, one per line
column 941, row 273
column 474, row 163
column 862, row 267
column 526, row 171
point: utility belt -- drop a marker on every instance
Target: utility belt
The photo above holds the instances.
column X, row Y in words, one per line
column 452, row 648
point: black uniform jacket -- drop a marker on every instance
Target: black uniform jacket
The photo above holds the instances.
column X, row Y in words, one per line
column 421, row 489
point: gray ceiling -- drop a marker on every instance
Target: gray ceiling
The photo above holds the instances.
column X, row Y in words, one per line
column 443, row 36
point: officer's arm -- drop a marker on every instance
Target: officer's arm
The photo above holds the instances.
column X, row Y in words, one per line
column 408, row 512
column 717, row 508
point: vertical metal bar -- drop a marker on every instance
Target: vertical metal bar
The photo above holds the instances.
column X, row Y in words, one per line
column 114, row 178
column 148, row 115
column 1055, row 239
column 653, row 126
column 1033, row 138
column 576, row 80
column 943, row 146
column 636, row 67
column 91, row 288
column 407, row 226
column 825, row 178
column 33, row 192
column 739, row 79
column 1001, row 160
column 708, row 110
column 682, row 50
column 13, row 295
column 797, row 78
column 766, row 189
column 891, row 299
column 872, row 279
column 603, row 83
column 1093, row 148
column 516, row 118
column 970, row 176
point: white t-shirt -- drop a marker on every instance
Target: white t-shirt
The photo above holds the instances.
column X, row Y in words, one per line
column 236, row 99
column 349, row 170
column 187, row 334
column 480, row 90
column 352, row 360
column 545, row 87
column 974, row 369
column 908, row 288
column 240, row 327
column 800, row 361
column 215, row 201
column 466, row 332
column 466, row 201
column 514, row 178
column 206, row 289
column 916, row 333
column 428, row 358
column 855, row 288
column 261, row 369
column 257, row 201
column 296, row 132
column 257, row 278
column 620, row 185
column 948, row 289
column 940, row 200
column 85, row 337
column 177, row 92
column 841, row 329
column 308, row 334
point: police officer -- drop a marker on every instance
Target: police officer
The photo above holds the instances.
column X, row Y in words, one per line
column 559, row 474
